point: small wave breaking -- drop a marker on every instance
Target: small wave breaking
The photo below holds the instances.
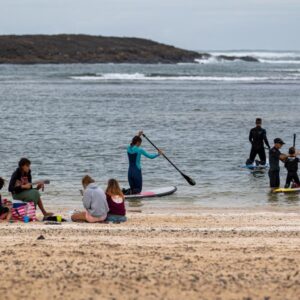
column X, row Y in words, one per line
column 288, row 57
column 174, row 77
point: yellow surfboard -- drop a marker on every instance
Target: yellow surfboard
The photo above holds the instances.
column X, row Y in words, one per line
column 287, row 190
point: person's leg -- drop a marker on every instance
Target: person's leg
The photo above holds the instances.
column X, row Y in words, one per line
column 135, row 180
column 41, row 207
column 253, row 153
column 5, row 214
column 131, row 181
column 8, row 216
column 262, row 156
column 295, row 180
column 79, row 217
column 32, row 195
column 274, row 179
column 277, row 179
column 288, row 180
column 138, row 181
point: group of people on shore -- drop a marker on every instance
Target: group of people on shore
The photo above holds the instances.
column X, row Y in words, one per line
column 258, row 139
column 99, row 205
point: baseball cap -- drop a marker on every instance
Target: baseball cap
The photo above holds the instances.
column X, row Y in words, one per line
column 279, row 141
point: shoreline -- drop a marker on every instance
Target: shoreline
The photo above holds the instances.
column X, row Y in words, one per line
column 208, row 255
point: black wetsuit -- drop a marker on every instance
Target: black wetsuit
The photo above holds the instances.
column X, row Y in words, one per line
column 257, row 137
column 274, row 156
column 291, row 165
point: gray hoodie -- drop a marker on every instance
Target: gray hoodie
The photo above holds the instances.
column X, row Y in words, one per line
column 94, row 201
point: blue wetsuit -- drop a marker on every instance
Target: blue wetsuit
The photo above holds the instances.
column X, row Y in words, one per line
column 135, row 178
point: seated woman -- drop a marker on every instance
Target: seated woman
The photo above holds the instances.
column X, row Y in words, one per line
column 5, row 213
column 20, row 186
column 115, row 200
column 94, row 201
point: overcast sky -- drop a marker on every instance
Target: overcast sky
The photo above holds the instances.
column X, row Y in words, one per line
column 191, row 24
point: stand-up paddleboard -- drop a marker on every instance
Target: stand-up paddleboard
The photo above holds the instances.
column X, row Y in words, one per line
column 158, row 192
column 287, row 190
column 255, row 167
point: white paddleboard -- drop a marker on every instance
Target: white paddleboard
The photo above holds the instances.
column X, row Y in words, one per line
column 156, row 192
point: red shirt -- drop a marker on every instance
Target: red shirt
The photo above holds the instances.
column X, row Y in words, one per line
column 116, row 207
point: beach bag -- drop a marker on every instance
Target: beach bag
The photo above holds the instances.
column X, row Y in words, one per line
column 18, row 211
column 21, row 209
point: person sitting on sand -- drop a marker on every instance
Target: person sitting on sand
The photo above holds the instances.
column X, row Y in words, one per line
column 115, row 200
column 20, row 186
column 94, row 201
column 5, row 213
column 291, row 164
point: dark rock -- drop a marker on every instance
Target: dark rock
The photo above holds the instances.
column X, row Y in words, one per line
column 233, row 58
column 64, row 48
column 41, row 237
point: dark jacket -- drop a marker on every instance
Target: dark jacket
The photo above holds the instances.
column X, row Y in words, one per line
column 257, row 137
column 291, row 164
column 274, row 157
column 16, row 181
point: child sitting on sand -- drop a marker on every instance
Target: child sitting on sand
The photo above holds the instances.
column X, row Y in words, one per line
column 94, row 201
column 5, row 213
column 291, row 164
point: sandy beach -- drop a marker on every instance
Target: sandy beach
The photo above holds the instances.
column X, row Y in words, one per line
column 207, row 254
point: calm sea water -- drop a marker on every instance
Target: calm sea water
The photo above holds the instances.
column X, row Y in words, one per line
column 71, row 120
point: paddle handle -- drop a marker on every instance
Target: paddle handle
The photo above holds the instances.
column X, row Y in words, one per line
column 294, row 140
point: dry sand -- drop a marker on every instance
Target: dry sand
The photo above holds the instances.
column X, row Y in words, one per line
column 202, row 255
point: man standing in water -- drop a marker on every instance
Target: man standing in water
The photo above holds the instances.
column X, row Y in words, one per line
column 257, row 137
column 274, row 156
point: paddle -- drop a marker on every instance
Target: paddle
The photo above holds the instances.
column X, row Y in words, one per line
column 187, row 178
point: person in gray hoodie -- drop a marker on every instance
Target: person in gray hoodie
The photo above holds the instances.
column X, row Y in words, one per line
column 94, row 202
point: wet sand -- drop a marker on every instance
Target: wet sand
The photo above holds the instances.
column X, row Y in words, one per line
column 208, row 254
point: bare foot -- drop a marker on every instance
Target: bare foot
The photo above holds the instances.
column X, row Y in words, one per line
column 48, row 214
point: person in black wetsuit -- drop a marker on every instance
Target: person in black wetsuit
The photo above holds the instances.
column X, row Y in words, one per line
column 257, row 137
column 291, row 164
column 274, row 156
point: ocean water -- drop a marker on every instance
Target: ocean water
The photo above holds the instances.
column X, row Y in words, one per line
column 72, row 120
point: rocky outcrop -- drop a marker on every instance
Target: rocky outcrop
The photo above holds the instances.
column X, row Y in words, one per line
column 70, row 48
column 64, row 48
column 233, row 58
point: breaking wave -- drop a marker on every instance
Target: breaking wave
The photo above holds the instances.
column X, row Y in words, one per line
column 280, row 57
column 173, row 77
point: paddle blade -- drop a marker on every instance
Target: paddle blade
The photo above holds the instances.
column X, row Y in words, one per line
column 189, row 179
column 294, row 140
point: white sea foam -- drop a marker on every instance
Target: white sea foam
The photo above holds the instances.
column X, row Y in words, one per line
column 260, row 54
column 269, row 61
column 143, row 77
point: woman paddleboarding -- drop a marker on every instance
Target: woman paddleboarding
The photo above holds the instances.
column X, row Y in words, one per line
column 134, row 152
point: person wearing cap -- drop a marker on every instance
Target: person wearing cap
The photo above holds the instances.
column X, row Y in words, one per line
column 257, row 138
column 291, row 164
column 274, row 156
